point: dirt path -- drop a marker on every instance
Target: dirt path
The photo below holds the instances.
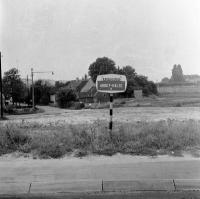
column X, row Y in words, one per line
column 130, row 114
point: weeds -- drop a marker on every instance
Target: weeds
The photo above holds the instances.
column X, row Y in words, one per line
column 141, row 138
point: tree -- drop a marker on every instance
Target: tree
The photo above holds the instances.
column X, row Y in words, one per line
column 141, row 80
column 148, row 87
column 131, row 85
column 85, row 77
column 128, row 71
column 13, row 86
column 101, row 66
column 177, row 74
column 65, row 97
column 42, row 92
column 59, row 84
column 165, row 80
column 130, row 74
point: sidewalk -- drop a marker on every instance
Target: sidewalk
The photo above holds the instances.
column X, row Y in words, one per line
column 97, row 174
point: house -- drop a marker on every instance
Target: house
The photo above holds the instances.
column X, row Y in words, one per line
column 87, row 92
column 73, row 84
column 101, row 97
column 53, row 99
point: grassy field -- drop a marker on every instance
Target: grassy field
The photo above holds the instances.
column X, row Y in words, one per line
column 162, row 100
column 54, row 140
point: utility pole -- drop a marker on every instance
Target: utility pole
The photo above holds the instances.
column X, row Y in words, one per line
column 33, row 101
column 1, row 89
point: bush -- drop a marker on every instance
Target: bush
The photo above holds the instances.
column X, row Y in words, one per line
column 79, row 105
column 143, row 138
column 12, row 139
column 145, row 92
column 44, row 100
column 65, row 97
column 178, row 104
column 9, row 109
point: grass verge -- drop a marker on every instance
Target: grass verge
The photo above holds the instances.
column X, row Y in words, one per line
column 141, row 138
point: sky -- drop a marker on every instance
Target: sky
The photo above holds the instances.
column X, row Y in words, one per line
column 66, row 36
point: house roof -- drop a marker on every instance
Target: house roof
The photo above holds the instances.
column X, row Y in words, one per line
column 73, row 84
column 88, row 86
column 81, row 85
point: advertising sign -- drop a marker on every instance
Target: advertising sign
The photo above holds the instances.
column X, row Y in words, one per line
column 111, row 83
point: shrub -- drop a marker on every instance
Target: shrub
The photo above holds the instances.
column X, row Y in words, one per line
column 65, row 97
column 12, row 139
column 51, row 150
column 44, row 100
column 9, row 109
column 142, row 138
column 178, row 104
column 79, row 105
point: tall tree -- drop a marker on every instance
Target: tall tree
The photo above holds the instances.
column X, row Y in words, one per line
column 42, row 90
column 65, row 97
column 130, row 74
column 177, row 74
column 13, row 86
column 128, row 71
column 101, row 66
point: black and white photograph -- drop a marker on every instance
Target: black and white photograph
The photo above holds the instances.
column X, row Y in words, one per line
column 99, row 99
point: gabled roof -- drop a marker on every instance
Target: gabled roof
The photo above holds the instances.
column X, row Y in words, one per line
column 81, row 85
column 88, row 86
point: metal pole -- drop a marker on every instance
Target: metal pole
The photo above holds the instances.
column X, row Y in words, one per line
column 111, row 112
column 1, row 89
column 27, row 81
column 28, row 88
column 33, row 101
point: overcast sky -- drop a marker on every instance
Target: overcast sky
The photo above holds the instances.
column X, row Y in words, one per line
column 66, row 36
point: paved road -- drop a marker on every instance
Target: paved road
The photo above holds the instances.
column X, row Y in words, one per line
column 126, row 114
column 21, row 175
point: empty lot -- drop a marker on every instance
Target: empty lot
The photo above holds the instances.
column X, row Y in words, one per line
column 125, row 114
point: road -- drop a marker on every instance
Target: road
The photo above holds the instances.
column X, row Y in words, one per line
column 119, row 172
column 126, row 114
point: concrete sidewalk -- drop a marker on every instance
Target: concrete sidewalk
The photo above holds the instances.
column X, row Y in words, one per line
column 118, row 173
column 97, row 186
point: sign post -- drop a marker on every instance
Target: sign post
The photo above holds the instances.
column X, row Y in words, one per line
column 111, row 111
column 111, row 83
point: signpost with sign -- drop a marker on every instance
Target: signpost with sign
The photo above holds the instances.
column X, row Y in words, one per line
column 111, row 83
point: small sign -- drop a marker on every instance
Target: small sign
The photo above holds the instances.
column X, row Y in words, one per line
column 111, row 83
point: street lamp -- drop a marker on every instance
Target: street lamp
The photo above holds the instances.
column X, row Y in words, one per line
column 32, row 72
